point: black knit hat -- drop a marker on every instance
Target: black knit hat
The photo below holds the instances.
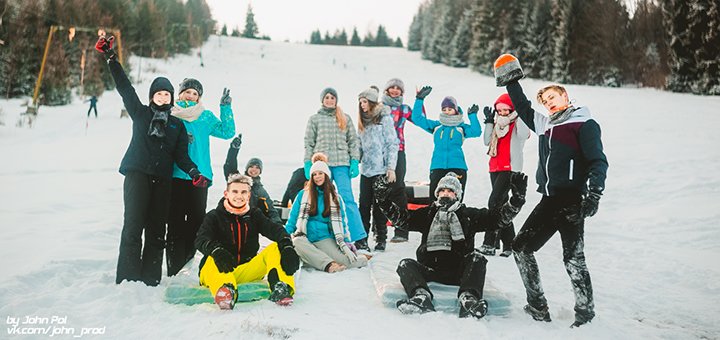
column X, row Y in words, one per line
column 162, row 84
column 254, row 161
column 191, row 83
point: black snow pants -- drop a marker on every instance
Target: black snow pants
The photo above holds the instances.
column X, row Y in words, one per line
column 369, row 207
column 147, row 200
column 469, row 274
column 498, row 197
column 397, row 194
column 548, row 217
column 187, row 211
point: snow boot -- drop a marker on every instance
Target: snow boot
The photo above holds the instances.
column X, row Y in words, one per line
column 487, row 250
column 582, row 318
column 470, row 305
column 380, row 246
column 362, row 245
column 281, row 294
column 506, row 253
column 538, row 313
column 225, row 297
column 420, row 303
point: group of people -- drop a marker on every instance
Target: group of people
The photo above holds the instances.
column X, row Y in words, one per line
column 327, row 229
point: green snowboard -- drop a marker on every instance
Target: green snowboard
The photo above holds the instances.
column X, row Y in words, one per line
column 184, row 294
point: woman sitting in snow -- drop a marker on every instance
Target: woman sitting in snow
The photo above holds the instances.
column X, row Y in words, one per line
column 318, row 224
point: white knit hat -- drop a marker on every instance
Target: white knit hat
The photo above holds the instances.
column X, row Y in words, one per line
column 320, row 166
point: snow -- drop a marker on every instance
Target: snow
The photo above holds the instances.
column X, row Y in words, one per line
column 652, row 249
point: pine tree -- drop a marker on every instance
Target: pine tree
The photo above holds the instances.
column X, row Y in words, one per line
column 415, row 33
column 235, row 32
column 705, row 42
column 398, row 43
column 537, row 59
column 342, row 38
column 224, row 30
column 369, row 40
column 460, row 44
column 251, row 28
column 381, row 37
column 683, row 66
column 562, row 16
column 316, row 37
column 355, row 40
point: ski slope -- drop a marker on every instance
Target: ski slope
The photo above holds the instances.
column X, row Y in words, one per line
column 652, row 249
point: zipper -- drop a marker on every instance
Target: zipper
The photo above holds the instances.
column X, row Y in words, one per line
column 571, row 168
column 547, row 164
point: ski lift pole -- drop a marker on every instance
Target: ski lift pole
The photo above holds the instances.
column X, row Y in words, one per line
column 52, row 30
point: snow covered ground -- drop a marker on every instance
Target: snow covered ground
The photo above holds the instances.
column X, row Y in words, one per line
column 652, row 249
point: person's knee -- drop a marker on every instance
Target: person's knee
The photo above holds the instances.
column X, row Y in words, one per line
column 405, row 264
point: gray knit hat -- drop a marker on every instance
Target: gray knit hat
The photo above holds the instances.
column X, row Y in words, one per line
column 371, row 94
column 395, row 82
column 327, row 90
column 191, row 83
column 450, row 181
column 254, row 161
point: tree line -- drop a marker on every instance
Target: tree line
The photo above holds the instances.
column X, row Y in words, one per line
column 340, row 37
column 670, row 44
column 149, row 28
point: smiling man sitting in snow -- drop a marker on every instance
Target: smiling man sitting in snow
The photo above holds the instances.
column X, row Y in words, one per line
column 447, row 251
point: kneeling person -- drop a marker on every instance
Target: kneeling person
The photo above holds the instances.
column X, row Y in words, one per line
column 447, row 251
column 231, row 253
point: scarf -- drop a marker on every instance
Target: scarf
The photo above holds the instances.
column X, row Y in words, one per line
column 189, row 112
column 445, row 228
column 561, row 116
column 328, row 111
column 159, row 120
column 336, row 220
column 501, row 128
column 451, row 120
column 390, row 101
column 235, row 211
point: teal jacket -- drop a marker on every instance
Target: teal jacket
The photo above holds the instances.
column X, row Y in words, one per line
column 447, row 140
column 199, row 132
column 318, row 227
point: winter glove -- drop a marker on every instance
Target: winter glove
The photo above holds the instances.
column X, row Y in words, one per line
column 489, row 115
column 104, row 46
column 518, row 186
column 390, row 174
column 589, row 205
column 354, row 168
column 289, row 260
column 198, row 180
column 224, row 261
column 473, row 109
column 308, row 165
column 381, row 187
column 507, row 70
column 225, row 99
column 236, row 142
column 340, row 239
column 424, row 92
column 351, row 246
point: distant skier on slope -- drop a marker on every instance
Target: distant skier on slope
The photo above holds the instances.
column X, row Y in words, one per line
column 570, row 156
column 447, row 251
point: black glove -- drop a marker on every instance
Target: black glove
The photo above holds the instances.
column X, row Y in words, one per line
column 589, row 205
column 473, row 109
column 198, row 180
column 224, row 261
column 518, row 186
column 225, row 99
column 104, row 46
column 489, row 115
column 236, row 142
column 424, row 91
column 381, row 187
column 289, row 260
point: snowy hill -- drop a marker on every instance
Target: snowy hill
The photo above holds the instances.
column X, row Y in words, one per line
column 652, row 250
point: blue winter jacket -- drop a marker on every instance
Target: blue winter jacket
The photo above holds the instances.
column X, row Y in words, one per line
column 448, row 140
column 199, row 132
column 318, row 227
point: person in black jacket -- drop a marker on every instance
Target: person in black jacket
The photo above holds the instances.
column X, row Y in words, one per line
column 571, row 177
column 158, row 139
column 229, row 239
column 260, row 197
column 296, row 183
column 447, row 251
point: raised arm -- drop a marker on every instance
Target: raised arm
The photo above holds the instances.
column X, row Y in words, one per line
column 231, row 166
column 125, row 89
column 225, row 127
column 474, row 130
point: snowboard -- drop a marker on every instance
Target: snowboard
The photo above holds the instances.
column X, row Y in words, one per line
column 186, row 294
column 390, row 290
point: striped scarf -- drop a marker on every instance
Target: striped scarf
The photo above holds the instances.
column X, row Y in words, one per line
column 336, row 219
column 501, row 128
column 445, row 228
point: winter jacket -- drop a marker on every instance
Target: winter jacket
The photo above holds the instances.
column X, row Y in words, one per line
column 510, row 147
column 259, row 198
column 570, row 153
column 199, row 132
column 318, row 226
column 472, row 220
column 295, row 185
column 148, row 154
column 400, row 114
column 448, row 140
column 323, row 134
column 378, row 147
column 237, row 234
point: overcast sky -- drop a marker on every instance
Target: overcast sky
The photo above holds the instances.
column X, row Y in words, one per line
column 294, row 20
